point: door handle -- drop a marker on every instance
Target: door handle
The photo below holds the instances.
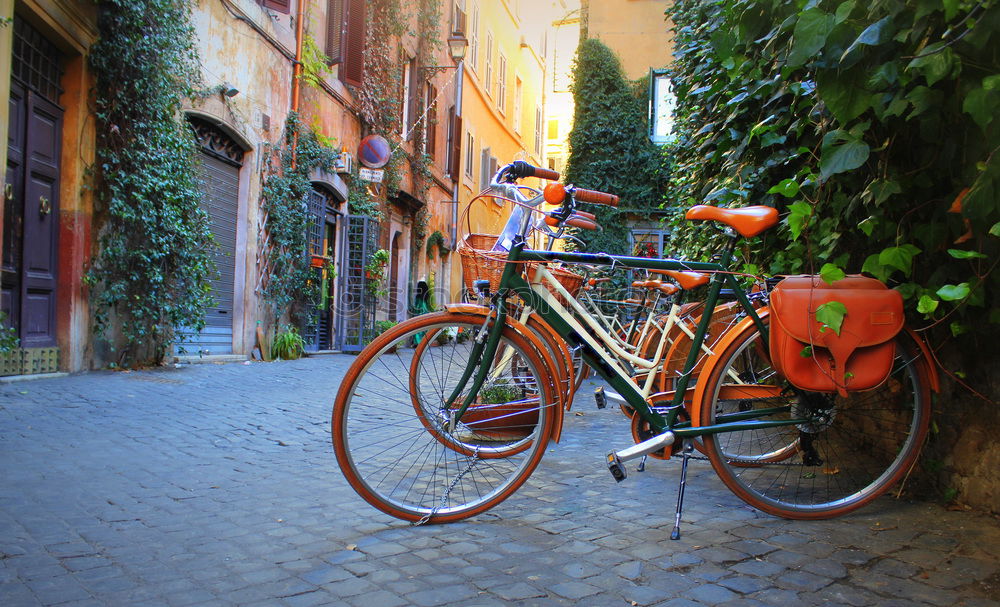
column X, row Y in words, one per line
column 44, row 206
column 8, row 191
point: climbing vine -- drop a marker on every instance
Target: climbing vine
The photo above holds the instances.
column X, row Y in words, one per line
column 151, row 272
column 378, row 98
column 291, row 285
column 609, row 145
column 871, row 126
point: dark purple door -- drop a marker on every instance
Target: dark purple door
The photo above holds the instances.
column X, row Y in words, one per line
column 31, row 217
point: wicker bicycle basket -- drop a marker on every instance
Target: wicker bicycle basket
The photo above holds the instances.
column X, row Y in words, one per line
column 480, row 262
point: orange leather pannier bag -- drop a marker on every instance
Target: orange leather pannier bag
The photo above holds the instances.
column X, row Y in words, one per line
column 812, row 357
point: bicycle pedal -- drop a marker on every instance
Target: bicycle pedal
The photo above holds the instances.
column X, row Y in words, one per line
column 601, row 399
column 616, row 467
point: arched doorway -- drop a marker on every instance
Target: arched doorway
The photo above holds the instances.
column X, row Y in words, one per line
column 221, row 161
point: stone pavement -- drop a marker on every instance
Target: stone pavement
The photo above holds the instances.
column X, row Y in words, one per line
column 217, row 485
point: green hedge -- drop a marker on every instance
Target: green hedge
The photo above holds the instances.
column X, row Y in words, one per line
column 610, row 149
column 870, row 125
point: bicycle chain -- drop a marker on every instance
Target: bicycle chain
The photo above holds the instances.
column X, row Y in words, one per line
column 444, row 498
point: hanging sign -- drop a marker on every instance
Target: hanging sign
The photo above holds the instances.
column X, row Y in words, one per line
column 372, row 175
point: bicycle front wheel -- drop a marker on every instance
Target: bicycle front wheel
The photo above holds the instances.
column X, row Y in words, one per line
column 392, row 429
column 848, row 452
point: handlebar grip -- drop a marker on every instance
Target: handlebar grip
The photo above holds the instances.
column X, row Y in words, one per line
column 521, row 169
column 574, row 221
column 595, row 197
column 582, row 223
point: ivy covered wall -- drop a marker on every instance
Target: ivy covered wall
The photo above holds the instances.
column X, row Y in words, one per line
column 610, row 149
column 150, row 273
column 872, row 127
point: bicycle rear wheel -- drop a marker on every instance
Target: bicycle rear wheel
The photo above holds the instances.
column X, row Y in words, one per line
column 850, row 451
column 390, row 425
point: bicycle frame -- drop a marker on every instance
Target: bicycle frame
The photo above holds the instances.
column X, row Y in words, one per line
column 564, row 322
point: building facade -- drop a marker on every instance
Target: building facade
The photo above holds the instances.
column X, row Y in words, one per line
column 448, row 128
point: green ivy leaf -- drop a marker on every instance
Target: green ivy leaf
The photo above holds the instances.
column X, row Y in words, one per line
column 880, row 190
column 900, row 258
column 799, row 214
column 923, row 99
column 954, row 292
column 867, row 226
column 982, row 105
column 934, row 63
column 831, row 314
column 788, row 188
column 927, row 304
column 962, row 254
column 874, row 267
column 957, row 328
column 873, row 35
column 844, row 95
column 811, row 30
column 841, row 152
column 995, row 230
column 831, row 273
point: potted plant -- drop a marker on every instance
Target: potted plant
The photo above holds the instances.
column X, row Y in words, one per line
column 375, row 274
column 288, row 344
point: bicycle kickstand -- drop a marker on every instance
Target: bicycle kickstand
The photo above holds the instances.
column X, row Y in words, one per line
column 686, row 455
column 642, row 464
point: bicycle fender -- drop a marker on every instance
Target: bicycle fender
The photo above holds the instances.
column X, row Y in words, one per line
column 727, row 338
column 540, row 349
column 927, row 359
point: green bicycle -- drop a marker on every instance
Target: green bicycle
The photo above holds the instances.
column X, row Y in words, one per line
column 449, row 431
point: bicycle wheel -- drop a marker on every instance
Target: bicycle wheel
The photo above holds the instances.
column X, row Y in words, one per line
column 850, row 451
column 390, row 427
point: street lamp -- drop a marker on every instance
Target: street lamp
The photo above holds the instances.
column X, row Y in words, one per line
column 457, row 45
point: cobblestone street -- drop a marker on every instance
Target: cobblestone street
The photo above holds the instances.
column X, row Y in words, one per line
column 216, row 485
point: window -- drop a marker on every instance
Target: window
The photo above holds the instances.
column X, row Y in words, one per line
column 518, row 93
column 470, row 153
column 430, row 128
column 408, row 97
column 538, row 130
column 458, row 16
column 502, row 84
column 474, row 38
column 662, row 104
column 553, row 129
column 648, row 243
column 488, row 68
column 345, row 38
column 281, row 6
column 487, row 167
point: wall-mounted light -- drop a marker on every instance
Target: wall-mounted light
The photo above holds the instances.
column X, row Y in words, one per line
column 230, row 91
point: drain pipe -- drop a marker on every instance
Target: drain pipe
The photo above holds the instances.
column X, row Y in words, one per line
column 297, row 69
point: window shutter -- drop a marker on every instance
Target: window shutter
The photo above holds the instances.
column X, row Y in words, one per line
column 484, row 169
column 281, row 6
column 454, row 143
column 414, row 95
column 335, row 26
column 431, row 125
column 353, row 68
